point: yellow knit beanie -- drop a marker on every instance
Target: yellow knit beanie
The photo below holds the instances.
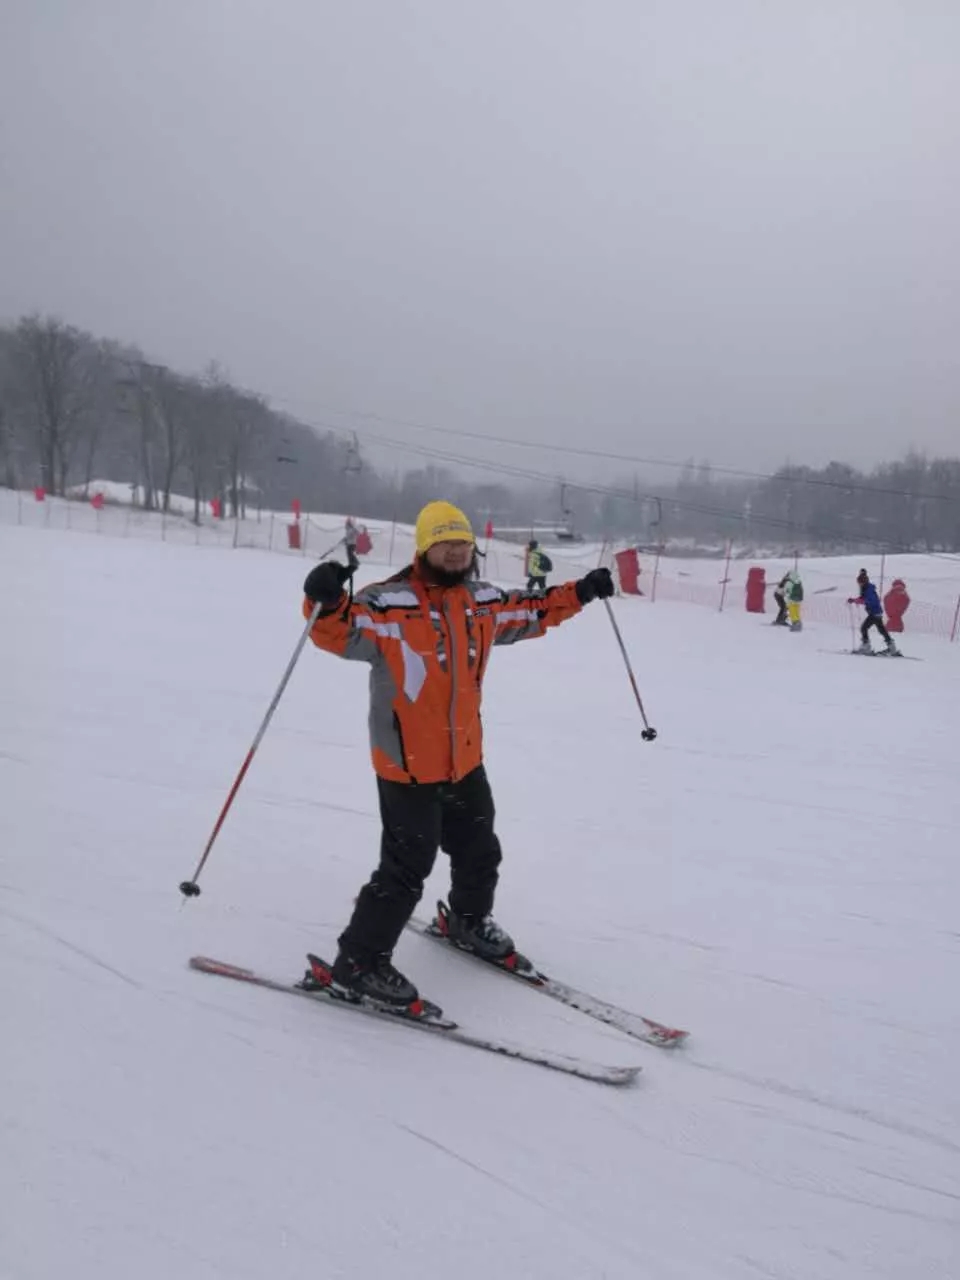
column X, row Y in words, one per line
column 441, row 522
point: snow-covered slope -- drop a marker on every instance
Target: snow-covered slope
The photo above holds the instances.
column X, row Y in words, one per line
column 778, row 872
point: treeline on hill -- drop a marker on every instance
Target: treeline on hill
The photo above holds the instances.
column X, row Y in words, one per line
column 74, row 408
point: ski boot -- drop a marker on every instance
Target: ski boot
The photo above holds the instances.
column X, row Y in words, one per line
column 892, row 651
column 796, row 626
column 482, row 937
column 865, row 648
column 377, row 981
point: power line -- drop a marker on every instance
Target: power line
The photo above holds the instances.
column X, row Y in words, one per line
column 603, row 455
column 514, row 472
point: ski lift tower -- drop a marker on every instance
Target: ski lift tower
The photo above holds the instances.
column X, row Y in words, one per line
column 353, row 464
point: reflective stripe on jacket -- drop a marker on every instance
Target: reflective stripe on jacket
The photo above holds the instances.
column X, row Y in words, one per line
column 428, row 649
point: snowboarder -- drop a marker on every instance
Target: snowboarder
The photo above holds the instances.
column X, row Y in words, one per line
column 538, row 566
column 869, row 597
column 427, row 633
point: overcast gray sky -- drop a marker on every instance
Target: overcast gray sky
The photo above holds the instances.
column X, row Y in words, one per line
column 718, row 228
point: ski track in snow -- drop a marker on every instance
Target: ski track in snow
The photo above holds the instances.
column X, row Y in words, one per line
column 777, row 873
column 82, row 952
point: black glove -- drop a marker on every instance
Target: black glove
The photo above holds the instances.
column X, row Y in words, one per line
column 324, row 583
column 595, row 585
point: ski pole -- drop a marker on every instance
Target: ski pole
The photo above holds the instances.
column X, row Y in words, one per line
column 190, row 888
column 648, row 733
column 330, row 550
column 853, row 624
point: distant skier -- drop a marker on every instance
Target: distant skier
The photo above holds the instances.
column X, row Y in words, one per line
column 794, row 594
column 427, row 633
column 350, row 536
column 780, row 595
column 869, row 597
column 789, row 597
column 538, row 566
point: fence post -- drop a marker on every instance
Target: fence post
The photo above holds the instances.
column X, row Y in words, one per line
column 726, row 574
column 656, row 573
column 956, row 621
column 393, row 535
column 883, row 563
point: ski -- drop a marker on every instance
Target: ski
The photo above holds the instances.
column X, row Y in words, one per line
column 874, row 653
column 431, row 1019
column 517, row 966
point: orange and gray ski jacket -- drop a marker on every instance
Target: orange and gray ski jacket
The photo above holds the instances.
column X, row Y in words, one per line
column 428, row 649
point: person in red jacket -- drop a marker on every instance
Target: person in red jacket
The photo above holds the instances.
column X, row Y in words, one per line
column 427, row 633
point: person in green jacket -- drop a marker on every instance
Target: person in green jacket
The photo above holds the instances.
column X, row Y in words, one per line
column 793, row 593
column 788, row 594
column 538, row 566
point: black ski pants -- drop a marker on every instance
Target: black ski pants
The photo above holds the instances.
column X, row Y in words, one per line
column 418, row 819
column 536, row 582
column 874, row 620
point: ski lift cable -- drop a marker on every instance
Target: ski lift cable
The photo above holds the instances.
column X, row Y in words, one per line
column 613, row 456
column 524, row 473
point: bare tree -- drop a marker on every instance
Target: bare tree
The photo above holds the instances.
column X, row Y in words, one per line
column 53, row 367
column 8, row 463
column 99, row 418
column 201, row 445
column 9, row 471
column 166, row 400
column 245, row 437
column 241, row 424
column 139, row 383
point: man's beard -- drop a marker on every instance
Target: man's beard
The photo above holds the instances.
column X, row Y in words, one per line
column 445, row 577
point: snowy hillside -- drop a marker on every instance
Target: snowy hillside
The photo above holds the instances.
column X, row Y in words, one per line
column 778, row 873
column 320, row 535
column 933, row 581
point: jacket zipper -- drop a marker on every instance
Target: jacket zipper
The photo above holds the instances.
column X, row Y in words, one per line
column 453, row 688
column 403, row 749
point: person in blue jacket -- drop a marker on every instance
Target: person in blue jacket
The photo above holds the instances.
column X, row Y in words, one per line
column 869, row 597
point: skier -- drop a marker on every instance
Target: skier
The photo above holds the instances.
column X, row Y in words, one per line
column 538, row 566
column 350, row 536
column 870, row 599
column 793, row 591
column 427, row 633
column 779, row 595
